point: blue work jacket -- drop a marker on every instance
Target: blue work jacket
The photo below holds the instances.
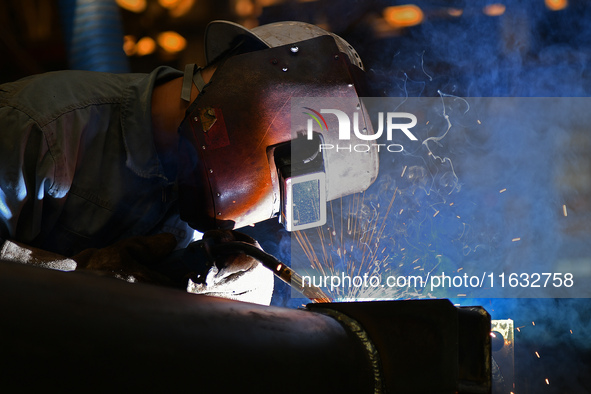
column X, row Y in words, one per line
column 78, row 164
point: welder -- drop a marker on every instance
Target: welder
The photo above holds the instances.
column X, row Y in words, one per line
column 123, row 174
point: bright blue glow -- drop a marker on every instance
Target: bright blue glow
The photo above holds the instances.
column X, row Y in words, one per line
column 4, row 211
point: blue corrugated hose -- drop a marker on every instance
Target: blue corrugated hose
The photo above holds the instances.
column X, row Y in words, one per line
column 94, row 36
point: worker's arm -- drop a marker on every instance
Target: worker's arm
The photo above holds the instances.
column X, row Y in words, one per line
column 128, row 259
column 148, row 259
column 21, row 253
column 32, row 187
column 35, row 174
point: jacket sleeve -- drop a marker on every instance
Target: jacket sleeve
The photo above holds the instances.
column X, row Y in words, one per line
column 27, row 177
column 27, row 173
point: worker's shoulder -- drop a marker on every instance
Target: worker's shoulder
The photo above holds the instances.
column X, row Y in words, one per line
column 47, row 96
column 65, row 87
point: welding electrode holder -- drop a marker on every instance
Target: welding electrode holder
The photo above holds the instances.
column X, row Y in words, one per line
column 281, row 270
column 195, row 261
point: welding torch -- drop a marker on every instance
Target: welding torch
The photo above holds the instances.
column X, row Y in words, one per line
column 280, row 270
column 197, row 259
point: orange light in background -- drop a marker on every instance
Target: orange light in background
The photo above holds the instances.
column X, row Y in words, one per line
column 244, row 8
column 177, row 8
column 145, row 46
column 403, row 15
column 182, row 8
column 129, row 46
column 556, row 5
column 268, row 3
column 132, row 5
column 171, row 41
column 455, row 12
column 169, row 3
column 496, row 9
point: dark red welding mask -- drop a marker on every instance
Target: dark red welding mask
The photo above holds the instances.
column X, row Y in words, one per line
column 238, row 165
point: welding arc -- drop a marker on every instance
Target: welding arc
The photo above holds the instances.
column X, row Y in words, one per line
column 281, row 270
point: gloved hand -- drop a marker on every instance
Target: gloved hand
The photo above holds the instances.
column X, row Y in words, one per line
column 129, row 259
column 229, row 264
column 236, row 276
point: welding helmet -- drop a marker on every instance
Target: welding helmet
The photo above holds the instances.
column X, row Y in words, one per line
column 246, row 155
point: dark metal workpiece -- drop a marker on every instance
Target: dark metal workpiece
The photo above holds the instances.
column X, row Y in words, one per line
column 82, row 333
column 425, row 346
column 78, row 332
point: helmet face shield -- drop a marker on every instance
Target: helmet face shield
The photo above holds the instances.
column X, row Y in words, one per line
column 233, row 138
column 302, row 182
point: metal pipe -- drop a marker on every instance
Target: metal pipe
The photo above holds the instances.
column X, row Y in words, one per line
column 78, row 332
